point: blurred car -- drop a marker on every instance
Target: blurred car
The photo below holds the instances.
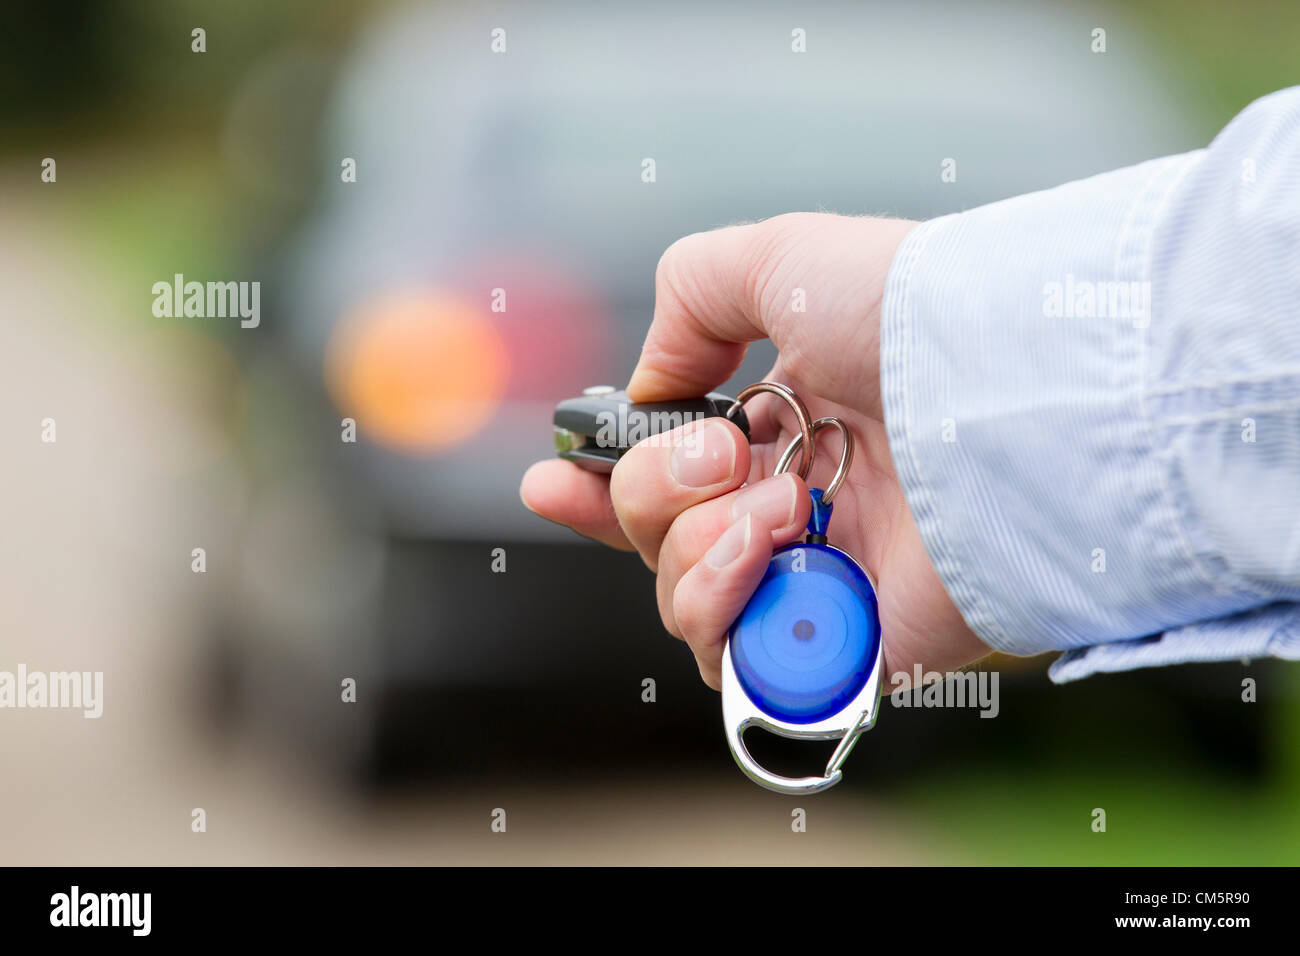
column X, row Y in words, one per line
column 496, row 253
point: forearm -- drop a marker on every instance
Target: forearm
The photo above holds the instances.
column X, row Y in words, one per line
column 1092, row 396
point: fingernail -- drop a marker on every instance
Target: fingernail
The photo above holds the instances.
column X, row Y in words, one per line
column 772, row 499
column 706, row 456
column 731, row 545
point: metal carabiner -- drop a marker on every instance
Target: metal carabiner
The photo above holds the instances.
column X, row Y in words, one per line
column 741, row 710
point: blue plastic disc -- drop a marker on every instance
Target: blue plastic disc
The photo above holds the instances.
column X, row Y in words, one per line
column 805, row 644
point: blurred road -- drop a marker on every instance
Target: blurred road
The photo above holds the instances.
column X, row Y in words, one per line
column 95, row 574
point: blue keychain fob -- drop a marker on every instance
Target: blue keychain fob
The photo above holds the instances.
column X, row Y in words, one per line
column 803, row 658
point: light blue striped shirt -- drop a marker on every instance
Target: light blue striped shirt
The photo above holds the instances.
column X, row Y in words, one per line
column 1092, row 396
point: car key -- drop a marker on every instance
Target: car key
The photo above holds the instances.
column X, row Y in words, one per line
column 596, row 429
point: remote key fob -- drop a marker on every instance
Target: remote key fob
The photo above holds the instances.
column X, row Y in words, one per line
column 597, row 428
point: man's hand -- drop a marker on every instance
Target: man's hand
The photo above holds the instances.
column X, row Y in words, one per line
column 706, row 519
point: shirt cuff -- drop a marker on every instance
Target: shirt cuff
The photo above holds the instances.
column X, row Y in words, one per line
column 1015, row 422
column 1272, row 631
column 1074, row 448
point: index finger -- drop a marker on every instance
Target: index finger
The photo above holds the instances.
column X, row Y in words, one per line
column 562, row 492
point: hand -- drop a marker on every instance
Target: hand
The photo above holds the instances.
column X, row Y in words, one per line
column 704, row 515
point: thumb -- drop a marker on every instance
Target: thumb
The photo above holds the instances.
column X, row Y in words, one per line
column 707, row 311
column 715, row 292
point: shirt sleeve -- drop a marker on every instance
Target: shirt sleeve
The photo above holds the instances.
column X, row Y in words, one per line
column 1092, row 397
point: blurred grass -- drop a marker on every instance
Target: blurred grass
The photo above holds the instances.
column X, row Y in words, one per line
column 1157, row 814
column 1151, row 819
column 1225, row 54
column 145, row 229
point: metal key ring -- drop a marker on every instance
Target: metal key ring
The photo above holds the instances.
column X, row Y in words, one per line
column 806, row 429
column 846, row 456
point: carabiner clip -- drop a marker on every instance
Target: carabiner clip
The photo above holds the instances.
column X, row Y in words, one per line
column 803, row 660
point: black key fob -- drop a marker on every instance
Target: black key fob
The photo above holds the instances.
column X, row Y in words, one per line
column 597, row 428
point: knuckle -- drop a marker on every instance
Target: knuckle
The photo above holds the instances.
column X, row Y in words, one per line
column 710, row 673
column 677, row 283
column 684, row 615
column 666, row 595
column 688, row 597
column 678, row 251
column 766, row 264
column 671, row 264
column 631, row 507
